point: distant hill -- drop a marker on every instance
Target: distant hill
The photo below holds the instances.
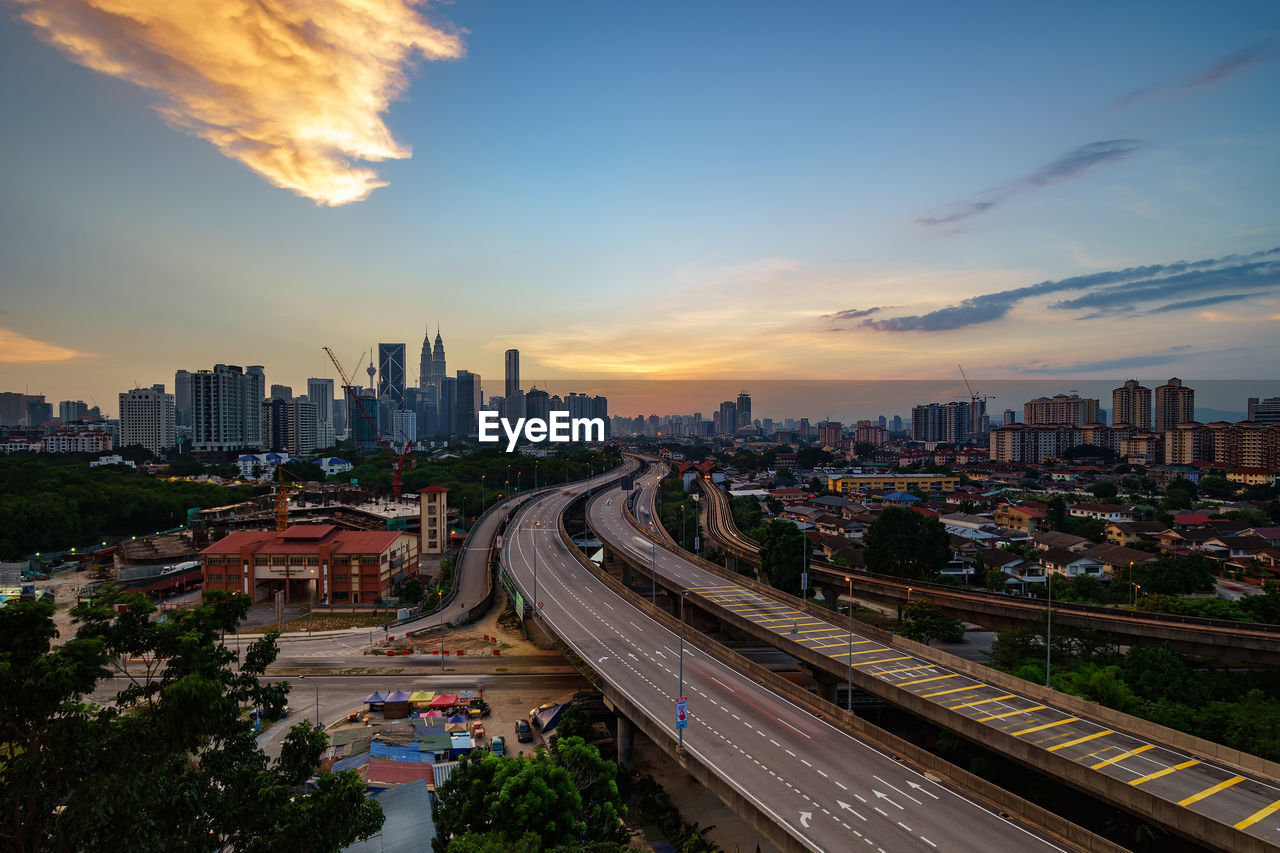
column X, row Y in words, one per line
column 1205, row 416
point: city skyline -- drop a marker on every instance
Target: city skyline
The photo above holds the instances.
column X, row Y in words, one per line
column 878, row 193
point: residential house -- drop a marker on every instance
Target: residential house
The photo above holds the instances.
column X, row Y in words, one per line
column 1102, row 512
column 1131, row 532
column 1024, row 518
column 1058, row 539
column 1063, row 562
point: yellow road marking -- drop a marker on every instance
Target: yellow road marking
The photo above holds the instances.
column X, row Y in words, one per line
column 1258, row 815
column 882, row 660
column 1014, row 714
column 862, row 652
column 907, row 669
column 1165, row 772
column 845, row 643
column 1081, row 740
column 1045, row 726
column 1209, row 792
column 936, row 678
column 1122, row 756
column 981, row 702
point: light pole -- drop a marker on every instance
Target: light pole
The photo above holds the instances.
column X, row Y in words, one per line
column 1135, row 595
column 1136, row 587
column 849, row 699
column 653, row 573
column 1048, row 631
column 482, row 493
column 316, row 685
column 683, row 593
column 535, row 475
column 682, row 526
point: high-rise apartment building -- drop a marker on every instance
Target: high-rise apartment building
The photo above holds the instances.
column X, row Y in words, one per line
column 391, row 375
column 147, row 418
column 946, row 422
column 13, row 408
column 1264, row 411
column 282, row 392
column 39, row 412
column 1131, row 404
column 404, row 427
column 1175, row 404
column 829, row 433
column 1060, row 409
column 226, row 408
column 512, row 384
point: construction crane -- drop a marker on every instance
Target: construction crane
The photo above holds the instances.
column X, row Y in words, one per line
column 974, row 396
column 351, row 392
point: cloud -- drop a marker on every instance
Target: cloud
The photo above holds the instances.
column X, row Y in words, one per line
column 294, row 91
column 851, row 313
column 17, row 348
column 1064, row 168
column 1123, row 362
column 1106, row 292
column 1234, row 63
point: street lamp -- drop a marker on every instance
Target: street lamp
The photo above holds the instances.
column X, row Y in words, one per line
column 482, row 493
column 683, row 593
column 316, row 685
column 682, row 526
column 653, row 573
column 850, row 696
column 1136, row 587
column 1048, row 630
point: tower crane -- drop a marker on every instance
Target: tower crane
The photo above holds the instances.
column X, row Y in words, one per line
column 397, row 461
column 974, row 396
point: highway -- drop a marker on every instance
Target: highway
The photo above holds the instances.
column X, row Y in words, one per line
column 828, row 790
column 1250, row 805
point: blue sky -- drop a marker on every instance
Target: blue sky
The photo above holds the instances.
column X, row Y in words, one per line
column 660, row 190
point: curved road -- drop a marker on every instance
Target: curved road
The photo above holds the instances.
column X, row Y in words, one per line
column 828, row 790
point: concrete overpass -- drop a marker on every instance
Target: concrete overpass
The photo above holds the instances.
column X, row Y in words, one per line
column 1236, row 643
column 795, row 773
column 1216, row 796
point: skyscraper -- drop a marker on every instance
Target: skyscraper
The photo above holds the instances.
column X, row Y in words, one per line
column 182, row 398
column 146, row 418
column 438, row 372
column 1131, row 404
column 391, row 376
column 466, row 404
column 1060, row 409
column 728, row 417
column 72, row 410
column 513, row 373
column 320, row 392
column 1175, row 404
column 424, row 361
column 744, row 409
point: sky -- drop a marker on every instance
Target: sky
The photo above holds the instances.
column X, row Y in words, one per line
column 712, row 190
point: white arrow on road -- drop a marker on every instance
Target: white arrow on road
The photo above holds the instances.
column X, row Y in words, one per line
column 633, row 657
column 922, row 789
column 885, row 797
column 850, row 809
column 603, row 659
column 898, row 791
column 805, row 817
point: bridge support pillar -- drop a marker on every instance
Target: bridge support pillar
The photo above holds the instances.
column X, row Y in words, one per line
column 830, row 595
column 626, row 740
column 826, row 686
column 731, row 563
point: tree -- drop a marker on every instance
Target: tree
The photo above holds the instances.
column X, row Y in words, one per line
column 1216, row 487
column 864, row 449
column 411, row 590
column 781, row 553
column 180, row 767
column 994, row 579
column 906, row 544
column 923, row 621
column 746, row 511
column 596, row 781
column 1104, row 491
column 812, row 456
column 1057, row 514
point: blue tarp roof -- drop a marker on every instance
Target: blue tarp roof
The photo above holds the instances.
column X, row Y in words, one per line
column 899, row 496
column 375, row 698
column 408, row 826
column 411, row 754
column 355, row 762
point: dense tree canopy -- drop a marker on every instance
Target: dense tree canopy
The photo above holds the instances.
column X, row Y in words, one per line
column 904, row 543
column 923, row 621
column 173, row 765
column 781, row 553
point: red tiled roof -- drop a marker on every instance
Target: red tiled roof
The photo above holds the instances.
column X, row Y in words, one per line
column 433, row 489
column 304, row 539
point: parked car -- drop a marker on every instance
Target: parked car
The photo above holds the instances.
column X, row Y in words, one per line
column 524, row 733
column 498, row 746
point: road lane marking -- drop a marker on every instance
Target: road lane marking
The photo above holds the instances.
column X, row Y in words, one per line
column 934, row 678
column 980, row 702
column 1045, row 726
column 1258, row 815
column 1014, row 714
column 1209, row 792
column 1081, row 740
column 1122, row 756
column 1165, row 772
column 882, row 660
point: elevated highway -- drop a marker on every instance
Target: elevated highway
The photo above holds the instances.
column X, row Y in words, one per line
column 804, row 782
column 1237, row 643
column 1214, row 795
